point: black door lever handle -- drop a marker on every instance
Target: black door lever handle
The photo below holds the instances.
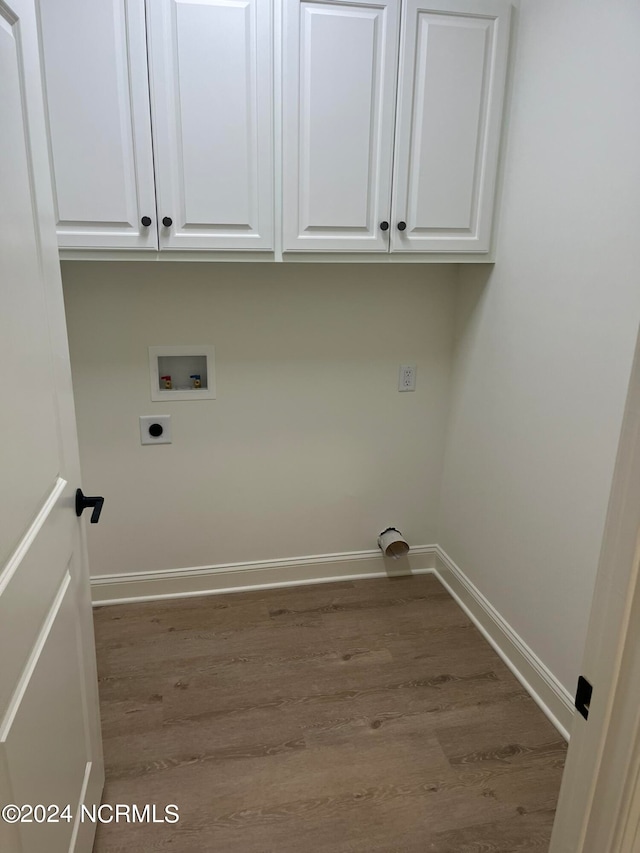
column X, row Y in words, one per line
column 84, row 501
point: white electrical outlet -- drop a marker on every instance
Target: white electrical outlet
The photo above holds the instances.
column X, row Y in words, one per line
column 407, row 377
column 155, row 429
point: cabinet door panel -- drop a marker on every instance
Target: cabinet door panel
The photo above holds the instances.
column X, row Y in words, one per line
column 449, row 120
column 211, row 82
column 95, row 68
column 339, row 100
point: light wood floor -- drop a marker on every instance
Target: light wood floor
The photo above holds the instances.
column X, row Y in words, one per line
column 366, row 717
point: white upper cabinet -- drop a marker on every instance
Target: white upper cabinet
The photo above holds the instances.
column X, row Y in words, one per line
column 210, row 114
column 162, row 117
column 95, row 69
column 339, row 103
column 211, row 87
column 453, row 60
column 339, row 88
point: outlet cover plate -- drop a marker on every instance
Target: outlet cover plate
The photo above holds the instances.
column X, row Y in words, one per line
column 146, row 421
column 407, row 377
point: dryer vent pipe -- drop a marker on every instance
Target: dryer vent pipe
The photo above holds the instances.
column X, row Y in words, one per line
column 392, row 543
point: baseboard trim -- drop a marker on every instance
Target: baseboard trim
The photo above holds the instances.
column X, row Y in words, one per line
column 543, row 687
column 265, row 574
column 538, row 681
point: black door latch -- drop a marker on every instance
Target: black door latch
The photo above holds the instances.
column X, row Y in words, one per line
column 583, row 696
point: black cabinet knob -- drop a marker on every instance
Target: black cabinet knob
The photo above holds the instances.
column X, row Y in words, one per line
column 384, row 226
column 146, row 221
column 402, row 226
column 167, row 222
column 84, row 502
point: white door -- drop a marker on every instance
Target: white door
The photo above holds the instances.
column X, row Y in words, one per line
column 50, row 750
column 453, row 62
column 97, row 94
column 339, row 86
column 599, row 804
column 211, row 86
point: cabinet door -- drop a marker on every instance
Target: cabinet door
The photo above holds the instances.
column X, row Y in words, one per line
column 97, row 97
column 339, row 84
column 453, row 59
column 211, row 87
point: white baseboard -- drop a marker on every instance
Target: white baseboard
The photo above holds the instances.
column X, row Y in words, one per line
column 543, row 687
column 265, row 574
column 534, row 676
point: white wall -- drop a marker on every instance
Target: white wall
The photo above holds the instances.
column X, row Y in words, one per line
column 545, row 340
column 308, row 449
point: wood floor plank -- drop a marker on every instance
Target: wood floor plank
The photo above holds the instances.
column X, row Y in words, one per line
column 529, row 833
column 364, row 717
